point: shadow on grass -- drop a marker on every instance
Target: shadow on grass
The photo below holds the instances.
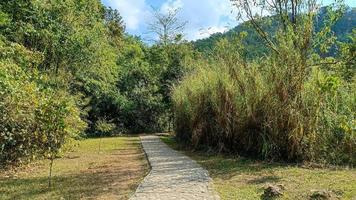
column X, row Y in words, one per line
column 248, row 178
column 227, row 166
column 88, row 184
column 264, row 179
column 114, row 174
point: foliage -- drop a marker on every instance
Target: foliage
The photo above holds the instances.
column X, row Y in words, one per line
column 172, row 65
column 291, row 105
column 254, row 47
column 55, row 59
column 104, row 127
column 35, row 120
column 146, row 78
column 66, row 66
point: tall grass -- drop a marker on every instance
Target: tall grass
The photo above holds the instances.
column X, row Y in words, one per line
column 275, row 108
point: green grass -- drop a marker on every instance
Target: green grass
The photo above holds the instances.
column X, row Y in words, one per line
column 84, row 173
column 238, row 178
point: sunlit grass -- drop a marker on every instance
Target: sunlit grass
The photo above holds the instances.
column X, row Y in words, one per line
column 84, row 173
column 238, row 178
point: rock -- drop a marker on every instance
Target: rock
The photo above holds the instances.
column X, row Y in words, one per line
column 273, row 191
column 322, row 195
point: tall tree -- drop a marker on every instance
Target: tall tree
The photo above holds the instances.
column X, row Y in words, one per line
column 167, row 26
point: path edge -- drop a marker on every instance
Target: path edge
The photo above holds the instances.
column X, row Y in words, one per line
column 215, row 194
column 149, row 168
column 211, row 188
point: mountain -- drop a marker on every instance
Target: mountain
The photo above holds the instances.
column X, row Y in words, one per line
column 253, row 43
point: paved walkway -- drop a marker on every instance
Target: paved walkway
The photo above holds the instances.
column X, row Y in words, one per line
column 173, row 175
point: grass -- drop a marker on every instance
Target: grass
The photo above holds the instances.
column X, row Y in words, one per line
column 238, row 178
column 84, row 173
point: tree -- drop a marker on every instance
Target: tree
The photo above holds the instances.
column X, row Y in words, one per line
column 105, row 128
column 167, row 26
column 58, row 122
column 115, row 26
column 51, row 48
column 139, row 86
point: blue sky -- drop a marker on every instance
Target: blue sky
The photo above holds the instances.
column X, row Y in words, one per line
column 204, row 16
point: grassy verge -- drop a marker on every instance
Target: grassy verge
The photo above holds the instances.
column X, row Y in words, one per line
column 84, row 173
column 238, row 178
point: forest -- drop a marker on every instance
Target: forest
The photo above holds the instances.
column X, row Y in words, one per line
column 280, row 87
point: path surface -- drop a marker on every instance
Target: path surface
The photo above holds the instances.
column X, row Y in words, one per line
column 173, row 175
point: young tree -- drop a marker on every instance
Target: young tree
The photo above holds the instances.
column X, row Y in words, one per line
column 104, row 128
column 58, row 123
column 167, row 26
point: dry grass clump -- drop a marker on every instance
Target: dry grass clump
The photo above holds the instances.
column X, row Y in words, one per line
column 275, row 108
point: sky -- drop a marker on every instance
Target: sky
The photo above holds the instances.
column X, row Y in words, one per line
column 204, row 17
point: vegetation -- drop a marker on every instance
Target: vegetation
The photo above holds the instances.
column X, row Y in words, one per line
column 254, row 45
column 81, row 173
column 293, row 104
column 68, row 70
column 48, row 69
column 241, row 178
column 167, row 26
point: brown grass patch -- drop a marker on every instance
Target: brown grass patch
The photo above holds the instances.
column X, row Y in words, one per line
column 85, row 173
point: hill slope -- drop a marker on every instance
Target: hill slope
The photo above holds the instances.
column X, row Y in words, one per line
column 342, row 28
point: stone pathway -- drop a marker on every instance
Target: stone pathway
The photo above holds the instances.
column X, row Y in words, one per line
column 173, row 175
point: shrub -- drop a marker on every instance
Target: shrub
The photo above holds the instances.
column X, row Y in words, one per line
column 270, row 109
column 36, row 119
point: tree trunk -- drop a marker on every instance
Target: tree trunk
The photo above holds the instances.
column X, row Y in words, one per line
column 50, row 173
column 100, row 144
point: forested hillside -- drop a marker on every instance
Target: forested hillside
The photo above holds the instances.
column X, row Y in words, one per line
column 254, row 45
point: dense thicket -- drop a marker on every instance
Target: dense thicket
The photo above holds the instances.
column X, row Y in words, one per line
column 69, row 70
column 147, row 76
column 55, row 57
column 292, row 104
column 32, row 110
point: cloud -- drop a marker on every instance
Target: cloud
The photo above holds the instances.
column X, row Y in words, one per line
column 204, row 17
column 203, row 33
column 134, row 12
column 171, row 5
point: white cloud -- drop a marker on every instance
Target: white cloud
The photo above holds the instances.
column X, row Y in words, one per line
column 204, row 17
column 171, row 5
column 134, row 12
column 203, row 33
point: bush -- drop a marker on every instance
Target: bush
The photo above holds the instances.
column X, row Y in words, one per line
column 268, row 109
column 35, row 119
